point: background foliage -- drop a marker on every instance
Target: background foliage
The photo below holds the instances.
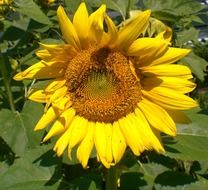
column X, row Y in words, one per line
column 25, row 163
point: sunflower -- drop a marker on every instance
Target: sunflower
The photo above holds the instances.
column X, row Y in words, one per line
column 110, row 87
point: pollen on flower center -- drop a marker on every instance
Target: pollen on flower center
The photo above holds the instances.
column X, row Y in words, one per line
column 101, row 85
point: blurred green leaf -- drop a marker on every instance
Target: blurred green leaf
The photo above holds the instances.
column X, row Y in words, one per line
column 37, row 169
column 191, row 141
column 30, row 9
column 179, row 7
column 196, row 64
column 17, row 128
column 187, row 35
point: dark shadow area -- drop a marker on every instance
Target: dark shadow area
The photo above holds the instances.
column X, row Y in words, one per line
column 161, row 159
column 6, row 153
column 174, row 178
column 204, row 112
column 171, row 149
column 150, row 86
column 131, row 181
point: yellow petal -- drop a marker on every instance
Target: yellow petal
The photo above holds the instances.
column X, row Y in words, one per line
column 147, row 48
column 100, row 140
column 157, row 117
column 85, row 148
column 38, row 96
column 79, row 130
column 52, row 48
column 63, row 141
column 148, row 138
column 55, row 85
column 181, row 85
column 59, row 93
column 67, row 116
column 169, row 99
column 57, row 128
column 166, row 35
column 43, row 54
column 118, row 143
column 112, row 31
column 96, row 24
column 167, row 71
column 131, row 135
column 132, row 30
column 179, row 116
column 170, row 56
column 67, row 29
column 62, row 103
column 81, row 23
column 41, row 70
column 109, row 154
column 47, row 118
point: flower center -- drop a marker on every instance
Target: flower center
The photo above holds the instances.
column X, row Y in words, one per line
column 101, row 85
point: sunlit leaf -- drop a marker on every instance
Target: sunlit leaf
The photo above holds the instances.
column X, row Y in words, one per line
column 191, row 141
column 197, row 65
column 30, row 9
column 37, row 169
column 16, row 129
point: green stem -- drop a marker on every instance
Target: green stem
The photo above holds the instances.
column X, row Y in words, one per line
column 111, row 179
column 6, row 83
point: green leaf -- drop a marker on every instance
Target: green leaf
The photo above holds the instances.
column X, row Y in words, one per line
column 191, row 141
column 13, row 132
column 184, row 36
column 30, row 9
column 30, row 115
column 37, row 169
column 16, row 129
column 199, row 185
column 179, row 7
column 197, row 65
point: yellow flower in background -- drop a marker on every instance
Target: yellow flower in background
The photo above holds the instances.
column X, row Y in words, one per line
column 5, row 2
column 109, row 88
column 49, row 1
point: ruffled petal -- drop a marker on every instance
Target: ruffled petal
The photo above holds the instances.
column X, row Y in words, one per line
column 118, row 143
column 81, row 24
column 181, row 85
column 55, row 85
column 167, row 71
column 112, row 34
column 96, row 29
column 166, row 35
column 42, row 70
column 161, row 121
column 170, row 56
column 47, row 118
column 67, row 29
column 78, row 132
column 131, row 135
column 38, row 96
column 108, row 131
column 170, row 99
column 147, row 49
column 57, row 128
column 148, row 138
column 100, row 140
column 85, row 148
column 132, row 30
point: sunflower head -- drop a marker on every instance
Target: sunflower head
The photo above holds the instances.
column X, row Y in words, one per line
column 110, row 88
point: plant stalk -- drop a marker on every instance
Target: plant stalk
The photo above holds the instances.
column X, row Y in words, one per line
column 111, row 179
column 3, row 71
